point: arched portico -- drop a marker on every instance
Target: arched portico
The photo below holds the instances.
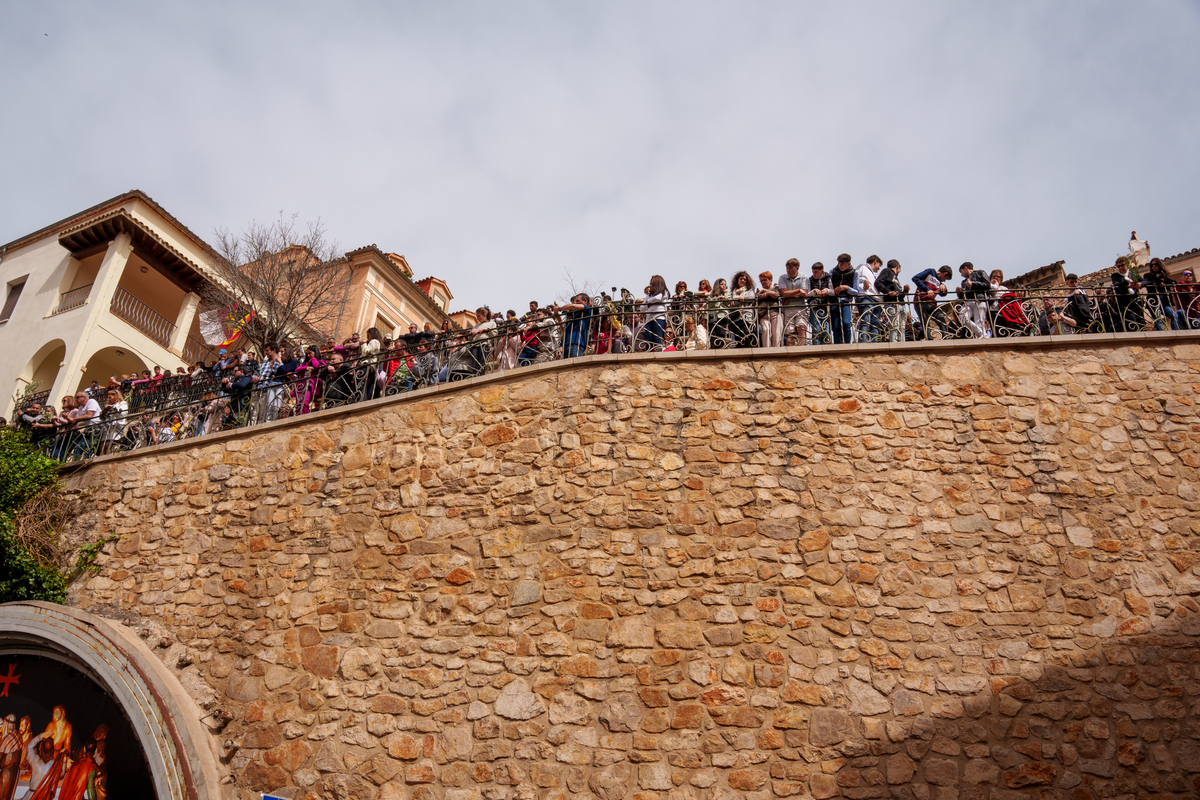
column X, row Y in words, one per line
column 166, row 722
column 108, row 361
column 43, row 368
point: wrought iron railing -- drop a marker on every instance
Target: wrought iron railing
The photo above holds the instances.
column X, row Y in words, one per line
column 142, row 317
column 72, row 299
column 197, row 350
column 226, row 397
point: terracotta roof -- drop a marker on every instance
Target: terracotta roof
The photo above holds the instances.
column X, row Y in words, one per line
column 75, row 219
column 1036, row 274
column 1195, row 251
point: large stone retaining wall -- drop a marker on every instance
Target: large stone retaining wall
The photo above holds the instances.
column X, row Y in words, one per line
column 929, row 575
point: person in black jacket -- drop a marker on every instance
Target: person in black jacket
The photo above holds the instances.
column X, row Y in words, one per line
column 845, row 290
column 887, row 284
column 1080, row 307
column 1124, row 291
column 975, row 290
column 1160, row 290
column 820, row 296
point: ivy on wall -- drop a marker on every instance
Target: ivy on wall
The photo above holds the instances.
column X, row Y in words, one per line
column 26, row 571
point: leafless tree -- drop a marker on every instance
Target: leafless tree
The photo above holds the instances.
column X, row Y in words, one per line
column 575, row 286
column 290, row 277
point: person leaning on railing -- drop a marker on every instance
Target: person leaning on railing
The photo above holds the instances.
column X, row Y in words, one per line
column 820, row 297
column 741, row 312
column 1187, row 293
column 869, row 327
column 654, row 307
column 930, row 284
column 1160, row 291
column 888, row 286
column 1079, row 307
column 845, row 290
column 113, row 416
column 792, row 288
column 1054, row 321
column 770, row 317
column 974, row 290
column 1124, row 293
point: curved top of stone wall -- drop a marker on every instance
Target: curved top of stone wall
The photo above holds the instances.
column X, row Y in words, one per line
column 918, row 574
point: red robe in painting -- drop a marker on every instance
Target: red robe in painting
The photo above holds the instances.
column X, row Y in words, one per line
column 45, row 790
column 75, row 782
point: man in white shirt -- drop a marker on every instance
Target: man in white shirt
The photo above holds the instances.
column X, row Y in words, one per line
column 868, row 328
column 85, row 416
column 792, row 290
column 86, row 411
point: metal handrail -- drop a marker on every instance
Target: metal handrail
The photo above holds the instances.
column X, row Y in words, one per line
column 197, row 350
column 211, row 400
column 142, row 317
column 72, row 299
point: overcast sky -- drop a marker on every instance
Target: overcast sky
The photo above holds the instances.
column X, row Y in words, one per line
column 497, row 144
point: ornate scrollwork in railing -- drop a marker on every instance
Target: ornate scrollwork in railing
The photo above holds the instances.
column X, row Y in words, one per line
column 208, row 401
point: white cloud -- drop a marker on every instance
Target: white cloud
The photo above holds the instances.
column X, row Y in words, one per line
column 494, row 144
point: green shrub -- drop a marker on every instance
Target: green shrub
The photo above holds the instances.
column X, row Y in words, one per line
column 24, row 471
column 21, row 576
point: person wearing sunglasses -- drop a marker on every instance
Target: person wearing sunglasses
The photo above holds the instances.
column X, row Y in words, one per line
column 1187, row 295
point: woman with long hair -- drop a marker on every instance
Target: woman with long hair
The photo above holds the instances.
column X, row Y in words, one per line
column 113, row 414
column 654, row 306
column 742, row 295
column 509, row 343
column 367, row 360
column 1160, row 295
column 718, row 316
column 308, row 392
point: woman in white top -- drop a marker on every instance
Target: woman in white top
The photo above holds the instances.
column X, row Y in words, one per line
column 510, row 342
column 694, row 336
column 367, row 353
column 742, row 314
column 654, row 307
column 998, row 288
column 718, row 317
column 113, row 414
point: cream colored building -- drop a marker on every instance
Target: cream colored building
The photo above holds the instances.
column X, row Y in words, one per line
column 114, row 289
column 109, row 290
column 381, row 294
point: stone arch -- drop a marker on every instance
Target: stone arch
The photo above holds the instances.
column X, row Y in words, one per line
column 177, row 747
column 45, row 365
column 111, row 361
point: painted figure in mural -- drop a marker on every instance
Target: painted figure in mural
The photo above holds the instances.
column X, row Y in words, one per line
column 45, row 767
column 60, row 731
column 25, row 735
column 10, row 757
column 83, row 778
column 100, row 737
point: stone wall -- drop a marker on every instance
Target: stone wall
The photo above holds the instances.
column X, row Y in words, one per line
column 929, row 575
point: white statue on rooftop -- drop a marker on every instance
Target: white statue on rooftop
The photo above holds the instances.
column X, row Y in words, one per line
column 1139, row 250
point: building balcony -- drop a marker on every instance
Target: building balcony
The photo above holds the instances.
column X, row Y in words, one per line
column 72, row 299
column 142, row 317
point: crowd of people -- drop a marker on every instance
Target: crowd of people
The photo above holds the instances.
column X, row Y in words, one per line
column 843, row 305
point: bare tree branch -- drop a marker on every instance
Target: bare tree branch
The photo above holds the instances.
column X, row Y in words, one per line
column 591, row 287
column 291, row 278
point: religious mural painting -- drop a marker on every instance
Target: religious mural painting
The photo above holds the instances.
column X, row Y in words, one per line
column 62, row 736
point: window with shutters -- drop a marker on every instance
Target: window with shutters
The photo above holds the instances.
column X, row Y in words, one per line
column 10, row 302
